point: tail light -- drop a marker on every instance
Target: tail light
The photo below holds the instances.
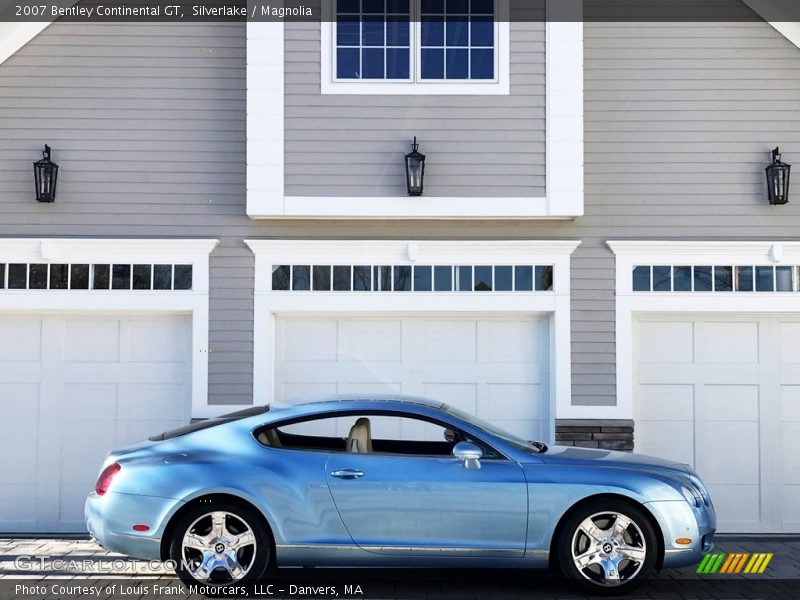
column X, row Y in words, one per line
column 104, row 481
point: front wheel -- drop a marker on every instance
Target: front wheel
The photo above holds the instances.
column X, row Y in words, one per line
column 607, row 547
column 219, row 544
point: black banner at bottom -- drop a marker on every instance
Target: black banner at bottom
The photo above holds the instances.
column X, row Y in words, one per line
column 349, row 584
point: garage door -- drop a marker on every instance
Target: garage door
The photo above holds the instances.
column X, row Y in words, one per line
column 723, row 394
column 496, row 368
column 71, row 389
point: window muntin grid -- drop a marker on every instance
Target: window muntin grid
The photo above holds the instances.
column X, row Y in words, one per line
column 413, row 278
column 89, row 276
column 715, row 278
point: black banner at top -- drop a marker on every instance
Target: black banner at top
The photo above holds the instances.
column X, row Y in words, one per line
column 183, row 11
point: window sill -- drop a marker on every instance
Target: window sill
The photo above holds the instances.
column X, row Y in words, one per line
column 266, row 206
column 465, row 88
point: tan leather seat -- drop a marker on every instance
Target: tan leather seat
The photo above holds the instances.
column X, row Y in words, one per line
column 269, row 437
column 360, row 439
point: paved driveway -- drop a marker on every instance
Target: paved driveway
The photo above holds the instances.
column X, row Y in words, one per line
column 72, row 562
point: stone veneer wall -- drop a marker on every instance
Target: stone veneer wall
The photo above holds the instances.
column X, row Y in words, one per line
column 614, row 434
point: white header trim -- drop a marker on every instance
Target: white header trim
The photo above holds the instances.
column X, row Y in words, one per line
column 629, row 303
column 195, row 301
column 269, row 303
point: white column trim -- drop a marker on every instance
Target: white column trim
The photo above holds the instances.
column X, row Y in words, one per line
column 630, row 253
column 269, row 303
column 176, row 251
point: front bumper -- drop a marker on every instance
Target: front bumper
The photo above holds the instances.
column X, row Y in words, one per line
column 110, row 519
column 680, row 520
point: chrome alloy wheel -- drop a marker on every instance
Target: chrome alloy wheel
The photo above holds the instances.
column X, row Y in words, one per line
column 218, row 547
column 608, row 548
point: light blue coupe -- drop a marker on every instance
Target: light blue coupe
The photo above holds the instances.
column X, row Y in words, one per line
column 392, row 482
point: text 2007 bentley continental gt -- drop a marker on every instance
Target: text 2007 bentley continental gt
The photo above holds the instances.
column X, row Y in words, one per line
column 379, row 481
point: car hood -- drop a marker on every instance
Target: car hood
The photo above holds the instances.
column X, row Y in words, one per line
column 610, row 458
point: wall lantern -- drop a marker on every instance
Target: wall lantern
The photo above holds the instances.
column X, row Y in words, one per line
column 778, row 179
column 415, row 170
column 45, row 173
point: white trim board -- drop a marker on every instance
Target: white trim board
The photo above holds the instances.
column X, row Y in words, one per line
column 95, row 250
column 269, row 303
column 564, row 134
column 629, row 303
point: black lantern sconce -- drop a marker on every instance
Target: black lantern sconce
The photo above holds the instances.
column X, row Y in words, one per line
column 45, row 174
column 778, row 179
column 415, row 170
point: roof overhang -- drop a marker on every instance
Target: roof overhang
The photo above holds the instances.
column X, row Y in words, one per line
column 777, row 13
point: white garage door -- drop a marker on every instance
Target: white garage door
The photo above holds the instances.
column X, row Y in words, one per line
column 723, row 394
column 496, row 368
column 71, row 389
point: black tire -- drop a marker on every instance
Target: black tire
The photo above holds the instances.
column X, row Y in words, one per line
column 638, row 540
column 256, row 557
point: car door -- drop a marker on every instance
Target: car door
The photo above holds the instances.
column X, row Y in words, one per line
column 402, row 504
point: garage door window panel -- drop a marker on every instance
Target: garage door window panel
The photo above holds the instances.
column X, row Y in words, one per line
column 78, row 276
column 714, row 278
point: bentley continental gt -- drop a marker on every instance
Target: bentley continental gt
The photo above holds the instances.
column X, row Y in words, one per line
column 392, row 481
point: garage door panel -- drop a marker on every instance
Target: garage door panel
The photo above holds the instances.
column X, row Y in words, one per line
column 727, row 342
column 88, row 340
column 666, row 402
column 20, row 401
column 790, row 403
column 670, row 439
column 679, row 350
column 333, row 371
column 167, row 372
column 376, row 387
column 291, row 392
column 463, row 396
column 12, row 372
column 790, row 437
column 522, row 400
column 81, row 399
column 728, row 403
column 372, row 340
column 739, row 462
column 168, row 401
column 308, row 340
column 455, row 340
column 19, row 465
column 514, row 341
column 76, row 455
column 791, row 507
column 20, row 339
column 158, row 340
column 789, row 336
column 740, row 505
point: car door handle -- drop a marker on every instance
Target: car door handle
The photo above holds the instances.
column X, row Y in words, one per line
column 347, row 474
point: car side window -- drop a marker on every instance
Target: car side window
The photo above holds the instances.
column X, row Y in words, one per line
column 374, row 433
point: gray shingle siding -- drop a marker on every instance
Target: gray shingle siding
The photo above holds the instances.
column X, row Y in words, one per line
column 148, row 124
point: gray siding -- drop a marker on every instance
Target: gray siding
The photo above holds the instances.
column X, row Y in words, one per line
column 148, row 123
column 353, row 145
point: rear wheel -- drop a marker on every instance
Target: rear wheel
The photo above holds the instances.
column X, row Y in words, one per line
column 608, row 547
column 220, row 544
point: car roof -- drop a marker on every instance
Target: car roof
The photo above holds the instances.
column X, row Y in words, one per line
column 362, row 398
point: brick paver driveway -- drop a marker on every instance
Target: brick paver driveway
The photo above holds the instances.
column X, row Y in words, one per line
column 42, row 561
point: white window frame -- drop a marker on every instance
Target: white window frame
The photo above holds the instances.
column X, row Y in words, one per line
column 133, row 251
column 270, row 304
column 629, row 304
column 498, row 86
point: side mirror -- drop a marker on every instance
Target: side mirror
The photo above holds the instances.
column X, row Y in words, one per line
column 470, row 453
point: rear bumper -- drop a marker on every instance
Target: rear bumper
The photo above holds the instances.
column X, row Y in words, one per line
column 110, row 519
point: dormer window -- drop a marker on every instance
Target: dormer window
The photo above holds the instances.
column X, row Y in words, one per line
column 415, row 47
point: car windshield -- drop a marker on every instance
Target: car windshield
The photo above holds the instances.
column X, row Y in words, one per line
column 510, row 438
